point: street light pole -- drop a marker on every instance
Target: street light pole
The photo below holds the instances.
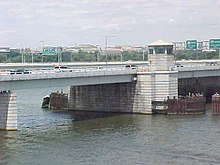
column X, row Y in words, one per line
column 42, row 42
column 143, row 55
column 59, row 54
column 22, row 53
column 106, row 40
column 106, row 44
column 42, row 51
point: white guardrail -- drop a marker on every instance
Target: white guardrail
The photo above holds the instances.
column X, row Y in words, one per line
column 196, row 67
column 10, row 75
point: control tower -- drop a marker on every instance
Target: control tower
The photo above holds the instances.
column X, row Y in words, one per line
column 161, row 57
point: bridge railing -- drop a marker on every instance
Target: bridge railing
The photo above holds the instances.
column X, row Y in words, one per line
column 53, row 74
column 197, row 67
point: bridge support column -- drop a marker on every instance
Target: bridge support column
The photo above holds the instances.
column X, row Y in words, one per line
column 8, row 111
column 154, row 86
column 166, row 84
column 144, row 93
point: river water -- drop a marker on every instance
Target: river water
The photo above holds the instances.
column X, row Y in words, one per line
column 46, row 137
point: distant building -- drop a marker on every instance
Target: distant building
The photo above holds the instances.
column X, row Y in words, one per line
column 139, row 48
column 116, row 50
column 4, row 49
column 36, row 51
column 119, row 49
column 20, row 50
column 89, row 48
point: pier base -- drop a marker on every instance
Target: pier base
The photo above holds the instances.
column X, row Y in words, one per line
column 58, row 100
column 216, row 104
column 190, row 105
column 8, row 111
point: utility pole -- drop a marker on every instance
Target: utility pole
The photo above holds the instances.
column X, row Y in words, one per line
column 42, row 42
column 22, row 53
column 59, row 55
column 106, row 44
column 106, row 40
column 219, row 53
column 32, row 57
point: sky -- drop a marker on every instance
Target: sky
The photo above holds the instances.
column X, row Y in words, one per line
column 132, row 22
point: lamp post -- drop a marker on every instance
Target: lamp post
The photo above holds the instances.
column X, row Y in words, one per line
column 22, row 53
column 42, row 42
column 106, row 40
column 106, row 44
column 59, row 55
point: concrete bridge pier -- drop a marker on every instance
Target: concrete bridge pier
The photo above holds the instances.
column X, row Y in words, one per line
column 143, row 93
column 154, row 86
column 8, row 110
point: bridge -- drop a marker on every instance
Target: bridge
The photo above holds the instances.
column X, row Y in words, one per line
column 114, row 88
column 72, row 77
column 42, row 78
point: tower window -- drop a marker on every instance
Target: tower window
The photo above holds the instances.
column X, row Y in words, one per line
column 151, row 51
column 159, row 50
column 169, row 51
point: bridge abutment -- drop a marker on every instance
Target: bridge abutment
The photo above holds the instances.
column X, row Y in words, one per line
column 8, row 111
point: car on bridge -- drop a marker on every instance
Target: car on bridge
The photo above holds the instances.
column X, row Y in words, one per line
column 6, row 72
column 132, row 66
column 21, row 71
column 60, row 68
column 178, row 65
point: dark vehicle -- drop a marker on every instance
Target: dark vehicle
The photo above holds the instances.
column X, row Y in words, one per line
column 178, row 65
column 21, row 71
column 131, row 66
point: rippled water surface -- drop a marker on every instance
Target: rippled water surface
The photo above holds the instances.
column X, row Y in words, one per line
column 54, row 137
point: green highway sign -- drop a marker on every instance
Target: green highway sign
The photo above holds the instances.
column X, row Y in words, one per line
column 191, row 44
column 214, row 43
column 49, row 51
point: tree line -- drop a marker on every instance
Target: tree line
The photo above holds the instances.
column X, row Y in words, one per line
column 82, row 56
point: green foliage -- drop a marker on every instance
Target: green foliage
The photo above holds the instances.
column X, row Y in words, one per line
column 195, row 55
column 82, row 56
column 3, row 57
column 134, row 56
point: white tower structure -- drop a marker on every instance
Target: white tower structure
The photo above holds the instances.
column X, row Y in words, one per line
column 161, row 55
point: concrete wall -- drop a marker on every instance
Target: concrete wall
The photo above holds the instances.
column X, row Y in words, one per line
column 166, row 84
column 161, row 61
column 116, row 97
column 8, row 111
column 133, row 97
